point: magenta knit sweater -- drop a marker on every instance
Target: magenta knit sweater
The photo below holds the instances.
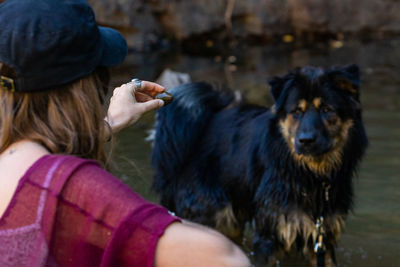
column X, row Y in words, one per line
column 68, row 211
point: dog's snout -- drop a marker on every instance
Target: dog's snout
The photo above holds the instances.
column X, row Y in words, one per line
column 307, row 138
column 311, row 143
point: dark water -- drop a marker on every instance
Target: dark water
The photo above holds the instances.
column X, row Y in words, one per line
column 372, row 235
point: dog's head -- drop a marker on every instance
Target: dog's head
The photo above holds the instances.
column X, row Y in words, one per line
column 316, row 108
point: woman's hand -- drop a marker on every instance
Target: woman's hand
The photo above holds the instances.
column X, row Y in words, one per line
column 127, row 105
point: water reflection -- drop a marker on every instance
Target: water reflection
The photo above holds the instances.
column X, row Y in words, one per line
column 372, row 236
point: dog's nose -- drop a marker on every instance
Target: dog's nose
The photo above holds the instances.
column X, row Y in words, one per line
column 307, row 138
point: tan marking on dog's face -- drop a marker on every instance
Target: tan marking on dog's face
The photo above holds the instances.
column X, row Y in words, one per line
column 326, row 163
column 317, row 102
column 303, row 105
column 331, row 160
column 288, row 129
column 335, row 126
column 338, row 131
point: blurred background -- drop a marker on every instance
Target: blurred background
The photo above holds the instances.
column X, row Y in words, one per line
column 242, row 43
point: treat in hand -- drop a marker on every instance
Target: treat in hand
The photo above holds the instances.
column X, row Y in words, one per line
column 145, row 91
column 166, row 97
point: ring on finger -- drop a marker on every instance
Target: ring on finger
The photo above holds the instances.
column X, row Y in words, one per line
column 137, row 83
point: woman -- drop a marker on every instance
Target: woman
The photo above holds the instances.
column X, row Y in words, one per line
column 58, row 206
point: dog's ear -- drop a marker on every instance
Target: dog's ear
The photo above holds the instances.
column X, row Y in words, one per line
column 347, row 78
column 276, row 84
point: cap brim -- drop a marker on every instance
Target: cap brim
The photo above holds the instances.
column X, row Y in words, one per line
column 115, row 48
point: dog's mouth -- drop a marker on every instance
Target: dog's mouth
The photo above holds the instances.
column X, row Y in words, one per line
column 320, row 159
column 316, row 150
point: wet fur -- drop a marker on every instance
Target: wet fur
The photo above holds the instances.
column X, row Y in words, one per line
column 224, row 166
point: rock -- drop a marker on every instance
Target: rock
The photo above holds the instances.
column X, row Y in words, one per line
column 182, row 19
column 345, row 15
column 134, row 18
column 146, row 23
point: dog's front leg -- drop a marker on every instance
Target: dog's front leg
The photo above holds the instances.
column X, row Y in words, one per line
column 263, row 251
column 329, row 259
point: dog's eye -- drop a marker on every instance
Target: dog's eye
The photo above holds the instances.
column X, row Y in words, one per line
column 327, row 109
column 297, row 111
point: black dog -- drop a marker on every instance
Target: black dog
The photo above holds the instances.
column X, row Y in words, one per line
column 288, row 169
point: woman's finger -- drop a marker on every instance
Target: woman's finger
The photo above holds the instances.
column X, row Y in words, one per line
column 142, row 97
column 150, row 105
column 151, row 88
column 127, row 88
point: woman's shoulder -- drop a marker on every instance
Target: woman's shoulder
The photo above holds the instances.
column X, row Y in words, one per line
column 62, row 163
column 56, row 169
column 70, row 160
column 90, row 187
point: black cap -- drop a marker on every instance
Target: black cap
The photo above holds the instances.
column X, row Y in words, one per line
column 54, row 42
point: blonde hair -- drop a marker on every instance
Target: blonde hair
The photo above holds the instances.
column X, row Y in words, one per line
column 66, row 120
